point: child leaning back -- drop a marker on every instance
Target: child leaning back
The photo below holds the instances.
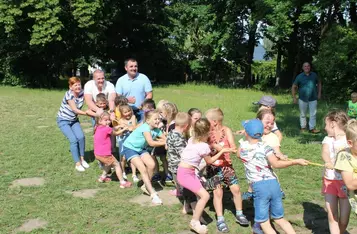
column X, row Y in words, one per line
column 258, row 159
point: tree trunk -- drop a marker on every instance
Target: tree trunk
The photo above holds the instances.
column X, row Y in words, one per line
column 278, row 66
column 339, row 14
column 353, row 15
column 249, row 59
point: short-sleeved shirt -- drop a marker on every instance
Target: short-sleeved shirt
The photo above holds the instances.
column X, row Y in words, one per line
column 91, row 88
column 176, row 143
column 352, row 109
column 335, row 146
column 137, row 87
column 194, row 152
column 307, row 86
column 345, row 161
column 102, row 141
column 136, row 140
column 225, row 159
column 65, row 111
column 256, row 164
column 271, row 139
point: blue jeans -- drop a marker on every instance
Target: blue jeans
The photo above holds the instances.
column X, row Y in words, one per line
column 267, row 196
column 312, row 109
column 73, row 131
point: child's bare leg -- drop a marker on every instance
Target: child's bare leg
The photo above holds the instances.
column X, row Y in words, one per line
column 203, row 197
column 331, row 203
column 139, row 164
column 267, row 228
column 345, row 210
column 217, row 201
column 156, row 168
column 285, row 225
column 119, row 171
column 149, row 163
column 133, row 169
column 122, row 162
column 237, row 197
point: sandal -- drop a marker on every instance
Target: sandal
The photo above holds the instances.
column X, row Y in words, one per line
column 222, row 227
column 198, row 228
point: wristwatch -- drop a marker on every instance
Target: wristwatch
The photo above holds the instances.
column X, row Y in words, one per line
column 111, row 111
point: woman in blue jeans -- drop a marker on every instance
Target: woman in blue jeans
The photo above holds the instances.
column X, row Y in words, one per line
column 67, row 121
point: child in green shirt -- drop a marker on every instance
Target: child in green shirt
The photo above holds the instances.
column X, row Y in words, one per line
column 352, row 106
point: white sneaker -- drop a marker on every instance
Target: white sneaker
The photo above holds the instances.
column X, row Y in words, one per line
column 135, row 179
column 124, row 176
column 85, row 164
column 143, row 188
column 80, row 168
column 155, row 199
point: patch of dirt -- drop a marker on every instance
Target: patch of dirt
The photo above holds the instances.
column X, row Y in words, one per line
column 145, row 200
column 31, row 224
column 35, row 181
column 84, row 193
column 42, row 126
column 86, row 124
column 88, row 130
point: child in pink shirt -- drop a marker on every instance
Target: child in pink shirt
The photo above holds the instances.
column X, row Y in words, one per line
column 103, row 150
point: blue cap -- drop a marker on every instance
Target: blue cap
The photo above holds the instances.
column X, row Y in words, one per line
column 254, row 128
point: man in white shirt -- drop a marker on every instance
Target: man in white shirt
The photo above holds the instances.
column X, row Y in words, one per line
column 96, row 86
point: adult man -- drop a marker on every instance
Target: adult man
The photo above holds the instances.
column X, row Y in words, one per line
column 135, row 86
column 99, row 85
column 309, row 87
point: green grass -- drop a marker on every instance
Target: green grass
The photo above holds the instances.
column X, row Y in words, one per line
column 29, row 151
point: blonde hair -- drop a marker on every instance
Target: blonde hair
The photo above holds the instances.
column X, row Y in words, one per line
column 339, row 116
column 201, row 129
column 160, row 104
column 261, row 113
column 215, row 114
column 125, row 107
column 97, row 119
column 182, row 119
column 150, row 114
column 73, row 80
column 351, row 130
column 353, row 95
column 171, row 111
column 262, row 107
column 101, row 98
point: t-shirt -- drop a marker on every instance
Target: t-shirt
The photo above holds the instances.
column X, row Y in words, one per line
column 271, row 139
column 194, row 152
column 176, row 143
column 65, row 111
column 137, row 87
column 352, row 109
column 225, row 159
column 347, row 162
column 307, row 86
column 136, row 140
column 275, row 127
column 102, row 141
column 255, row 160
column 117, row 113
column 91, row 88
column 335, row 146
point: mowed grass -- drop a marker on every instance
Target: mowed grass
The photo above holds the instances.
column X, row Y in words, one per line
column 31, row 145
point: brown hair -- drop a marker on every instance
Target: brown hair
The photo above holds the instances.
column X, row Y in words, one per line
column 215, row 114
column 182, row 119
column 101, row 98
column 339, row 116
column 351, row 130
column 171, row 111
column 125, row 107
column 193, row 111
column 353, row 95
column 201, row 129
column 261, row 113
column 73, row 80
column 120, row 100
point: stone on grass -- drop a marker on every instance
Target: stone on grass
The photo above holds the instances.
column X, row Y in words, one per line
column 145, row 200
column 35, row 181
column 31, row 225
column 84, row 193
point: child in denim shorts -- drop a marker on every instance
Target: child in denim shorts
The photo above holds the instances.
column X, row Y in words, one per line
column 258, row 159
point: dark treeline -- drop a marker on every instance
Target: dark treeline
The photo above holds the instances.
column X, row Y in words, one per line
column 178, row 41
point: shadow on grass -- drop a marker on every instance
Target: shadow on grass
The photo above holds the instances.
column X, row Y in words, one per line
column 315, row 218
column 89, row 156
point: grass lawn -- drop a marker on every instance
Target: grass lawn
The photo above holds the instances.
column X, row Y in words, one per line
column 33, row 146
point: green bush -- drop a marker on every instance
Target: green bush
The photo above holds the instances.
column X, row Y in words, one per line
column 264, row 74
column 336, row 63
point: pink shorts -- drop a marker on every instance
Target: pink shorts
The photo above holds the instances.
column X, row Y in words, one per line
column 333, row 187
column 188, row 179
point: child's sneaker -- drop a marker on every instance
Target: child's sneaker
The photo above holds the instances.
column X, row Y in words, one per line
column 124, row 176
column 155, row 199
column 143, row 188
column 80, row 168
column 104, row 179
column 85, row 164
column 197, row 227
column 257, row 229
column 156, row 178
column 135, row 179
column 242, row 220
column 175, row 193
column 247, row 196
column 125, row 184
column 169, row 178
column 282, row 194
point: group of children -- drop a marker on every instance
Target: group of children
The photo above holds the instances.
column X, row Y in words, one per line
column 195, row 153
